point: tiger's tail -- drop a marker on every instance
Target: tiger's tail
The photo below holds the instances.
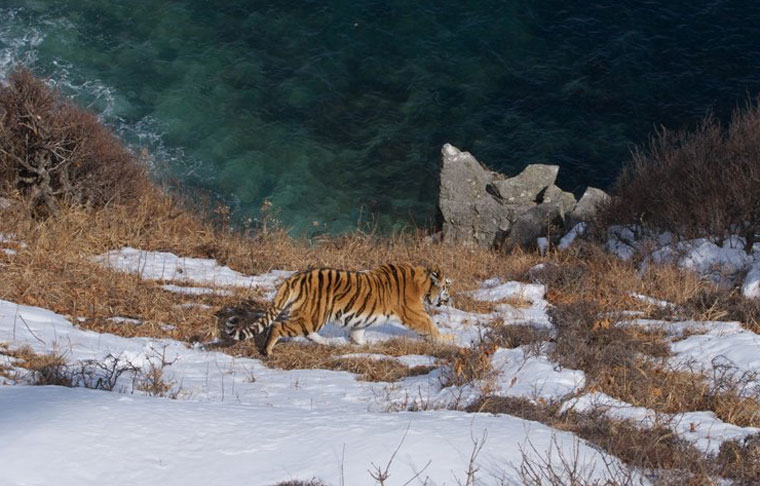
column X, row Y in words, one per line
column 246, row 330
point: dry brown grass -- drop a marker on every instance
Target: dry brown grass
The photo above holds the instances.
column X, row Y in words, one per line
column 41, row 369
column 656, row 449
column 304, row 355
column 699, row 183
column 630, row 364
column 513, row 336
column 740, row 461
column 586, row 272
column 721, row 304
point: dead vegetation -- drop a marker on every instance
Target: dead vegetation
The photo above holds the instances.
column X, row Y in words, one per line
column 655, row 451
column 52, row 151
column 698, row 183
column 379, row 366
column 32, row 368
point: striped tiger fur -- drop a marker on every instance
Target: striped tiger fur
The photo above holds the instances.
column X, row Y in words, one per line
column 308, row 300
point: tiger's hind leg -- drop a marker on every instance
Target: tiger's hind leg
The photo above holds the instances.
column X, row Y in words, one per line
column 292, row 327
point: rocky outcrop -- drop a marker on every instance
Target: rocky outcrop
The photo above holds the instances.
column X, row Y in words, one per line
column 470, row 214
column 587, row 206
column 485, row 208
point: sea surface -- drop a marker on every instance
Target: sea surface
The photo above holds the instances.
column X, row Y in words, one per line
column 336, row 111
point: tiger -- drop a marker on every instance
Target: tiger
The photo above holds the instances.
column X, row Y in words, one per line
column 308, row 300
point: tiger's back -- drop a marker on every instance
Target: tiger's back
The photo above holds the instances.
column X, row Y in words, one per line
column 308, row 300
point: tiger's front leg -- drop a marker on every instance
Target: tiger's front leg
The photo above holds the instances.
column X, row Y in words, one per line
column 424, row 325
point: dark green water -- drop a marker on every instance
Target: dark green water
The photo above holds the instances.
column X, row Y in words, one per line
column 337, row 110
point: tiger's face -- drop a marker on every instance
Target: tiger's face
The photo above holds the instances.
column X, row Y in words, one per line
column 439, row 290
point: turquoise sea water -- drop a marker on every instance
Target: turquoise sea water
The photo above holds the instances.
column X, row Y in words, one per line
column 336, row 111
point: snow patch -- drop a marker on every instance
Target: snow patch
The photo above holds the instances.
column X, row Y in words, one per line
column 157, row 265
column 571, row 235
column 534, row 377
column 178, row 289
column 751, row 285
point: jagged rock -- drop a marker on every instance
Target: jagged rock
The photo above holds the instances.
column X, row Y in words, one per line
column 532, row 224
column 484, row 208
column 587, row 206
column 565, row 200
column 470, row 214
column 526, row 186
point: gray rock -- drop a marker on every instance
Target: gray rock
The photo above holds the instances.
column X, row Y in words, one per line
column 565, row 200
column 587, row 206
column 463, row 178
column 470, row 214
column 533, row 224
column 526, row 186
column 484, row 208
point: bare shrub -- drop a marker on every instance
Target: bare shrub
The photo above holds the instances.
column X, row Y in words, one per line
column 566, row 468
column 43, row 369
column 472, row 366
column 740, row 460
column 103, row 374
column 52, row 150
column 723, row 304
column 702, row 183
column 299, row 482
column 152, row 380
column 587, row 339
column 514, row 336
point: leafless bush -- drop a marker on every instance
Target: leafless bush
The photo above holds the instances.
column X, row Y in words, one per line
column 567, row 469
column 103, row 374
column 723, row 304
column 740, row 460
column 43, row 369
column 703, row 183
column 472, row 366
column 53, row 369
column 298, row 482
column 52, row 150
column 152, row 380
column 381, row 474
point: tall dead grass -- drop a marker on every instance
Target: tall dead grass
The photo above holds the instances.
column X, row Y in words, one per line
column 698, row 183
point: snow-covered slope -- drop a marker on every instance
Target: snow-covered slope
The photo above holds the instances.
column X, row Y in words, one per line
column 237, row 421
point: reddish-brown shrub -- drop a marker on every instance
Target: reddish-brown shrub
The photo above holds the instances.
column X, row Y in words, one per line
column 703, row 183
column 52, row 150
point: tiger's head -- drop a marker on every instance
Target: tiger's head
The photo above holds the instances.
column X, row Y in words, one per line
column 438, row 294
